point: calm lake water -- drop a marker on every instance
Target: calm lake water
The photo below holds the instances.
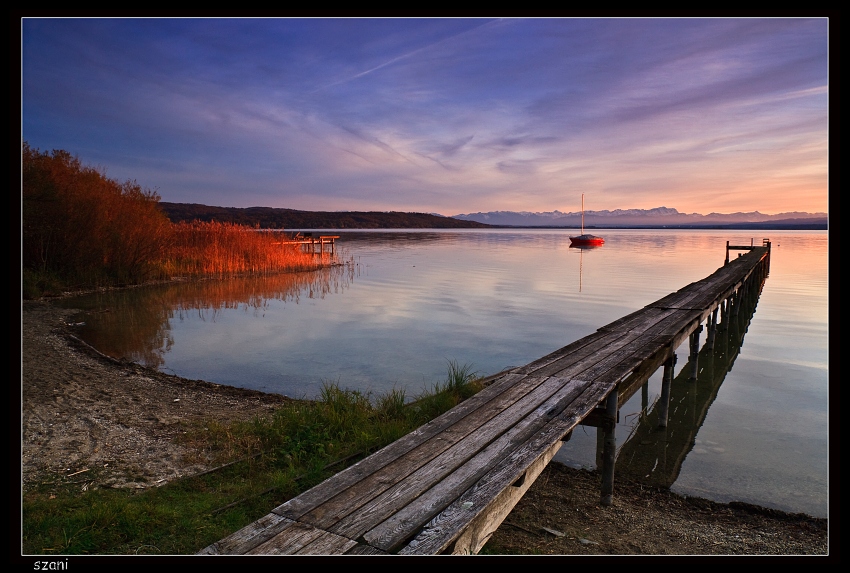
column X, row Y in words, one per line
column 753, row 428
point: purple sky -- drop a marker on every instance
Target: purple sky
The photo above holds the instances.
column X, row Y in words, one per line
column 441, row 115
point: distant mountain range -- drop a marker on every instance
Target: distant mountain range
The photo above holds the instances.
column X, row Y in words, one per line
column 658, row 217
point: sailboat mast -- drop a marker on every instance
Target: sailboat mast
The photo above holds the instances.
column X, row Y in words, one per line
column 585, row 240
column 582, row 213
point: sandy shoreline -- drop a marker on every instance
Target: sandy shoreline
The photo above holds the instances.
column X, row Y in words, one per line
column 82, row 412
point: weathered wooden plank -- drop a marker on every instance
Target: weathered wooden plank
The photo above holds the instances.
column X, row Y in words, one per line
column 620, row 364
column 714, row 287
column 290, row 540
column 723, row 279
column 435, row 459
column 395, row 528
column 328, row 544
column 697, row 296
column 444, row 528
column 480, row 529
column 636, row 320
column 575, row 362
column 208, row 550
column 681, row 319
column 540, row 367
column 642, row 373
column 297, row 506
column 361, row 549
column 650, row 331
column 355, row 495
column 245, row 539
column 614, row 357
column 648, row 321
column 303, row 539
column 693, row 300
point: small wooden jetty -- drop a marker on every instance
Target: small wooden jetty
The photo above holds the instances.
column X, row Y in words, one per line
column 447, row 486
column 310, row 242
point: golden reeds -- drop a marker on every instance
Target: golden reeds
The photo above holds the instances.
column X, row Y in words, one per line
column 225, row 249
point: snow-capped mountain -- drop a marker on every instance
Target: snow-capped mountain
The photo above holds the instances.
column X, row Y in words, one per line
column 659, row 216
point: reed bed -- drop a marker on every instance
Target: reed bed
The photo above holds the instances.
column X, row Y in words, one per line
column 214, row 249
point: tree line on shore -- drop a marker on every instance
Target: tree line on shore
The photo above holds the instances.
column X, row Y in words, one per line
column 81, row 229
column 279, row 218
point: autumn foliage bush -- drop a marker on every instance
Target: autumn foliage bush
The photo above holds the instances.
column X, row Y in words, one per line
column 81, row 229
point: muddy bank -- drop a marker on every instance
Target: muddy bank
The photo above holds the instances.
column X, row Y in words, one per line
column 81, row 411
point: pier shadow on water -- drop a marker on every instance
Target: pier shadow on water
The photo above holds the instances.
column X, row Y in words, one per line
column 664, row 434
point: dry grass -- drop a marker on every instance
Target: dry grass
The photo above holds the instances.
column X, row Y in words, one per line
column 225, row 249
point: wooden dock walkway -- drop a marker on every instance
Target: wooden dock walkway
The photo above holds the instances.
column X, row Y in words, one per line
column 656, row 449
column 309, row 242
column 447, row 486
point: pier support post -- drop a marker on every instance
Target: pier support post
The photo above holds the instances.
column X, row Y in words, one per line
column 767, row 260
column 666, row 382
column 609, row 453
column 694, row 357
column 736, row 302
column 712, row 329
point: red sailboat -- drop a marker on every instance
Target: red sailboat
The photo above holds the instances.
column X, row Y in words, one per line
column 585, row 240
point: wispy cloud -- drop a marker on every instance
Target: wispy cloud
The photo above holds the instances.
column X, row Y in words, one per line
column 401, row 57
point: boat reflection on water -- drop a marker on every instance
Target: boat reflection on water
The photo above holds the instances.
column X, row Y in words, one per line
column 582, row 248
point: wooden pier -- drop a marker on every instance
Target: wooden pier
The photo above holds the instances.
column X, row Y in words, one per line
column 657, row 447
column 309, row 242
column 447, row 486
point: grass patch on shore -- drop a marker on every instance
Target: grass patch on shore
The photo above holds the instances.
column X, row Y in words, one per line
column 262, row 463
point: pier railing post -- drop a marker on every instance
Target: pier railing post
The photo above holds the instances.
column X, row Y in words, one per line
column 609, row 453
